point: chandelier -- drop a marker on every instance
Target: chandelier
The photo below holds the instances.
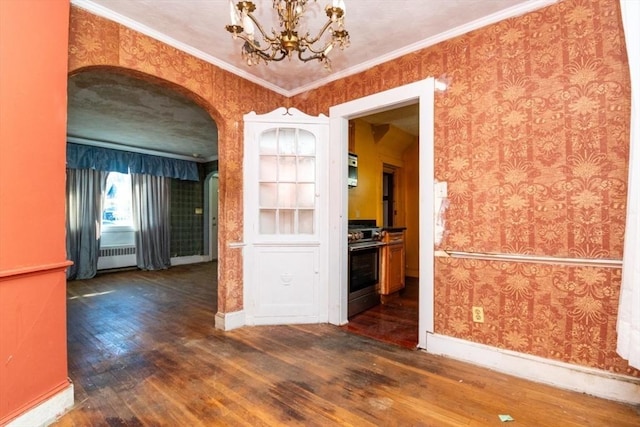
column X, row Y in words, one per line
column 287, row 42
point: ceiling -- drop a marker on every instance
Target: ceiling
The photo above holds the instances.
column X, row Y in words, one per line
column 128, row 111
column 117, row 111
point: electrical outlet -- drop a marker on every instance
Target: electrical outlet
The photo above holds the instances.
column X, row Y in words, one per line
column 478, row 314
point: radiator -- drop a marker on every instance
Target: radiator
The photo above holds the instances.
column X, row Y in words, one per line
column 117, row 251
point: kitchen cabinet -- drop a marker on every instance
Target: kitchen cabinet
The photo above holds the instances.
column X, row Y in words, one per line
column 392, row 262
column 285, row 220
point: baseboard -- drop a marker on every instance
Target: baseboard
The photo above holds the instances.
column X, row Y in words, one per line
column 563, row 375
column 46, row 412
column 229, row 321
column 193, row 259
column 283, row 320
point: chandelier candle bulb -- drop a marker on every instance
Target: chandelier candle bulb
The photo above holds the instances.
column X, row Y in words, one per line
column 233, row 13
column 248, row 26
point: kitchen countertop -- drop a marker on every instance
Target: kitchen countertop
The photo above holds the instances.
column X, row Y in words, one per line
column 394, row 229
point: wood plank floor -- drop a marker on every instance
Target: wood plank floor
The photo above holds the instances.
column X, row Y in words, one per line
column 143, row 352
column 395, row 321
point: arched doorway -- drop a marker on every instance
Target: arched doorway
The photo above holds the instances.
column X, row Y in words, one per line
column 125, row 112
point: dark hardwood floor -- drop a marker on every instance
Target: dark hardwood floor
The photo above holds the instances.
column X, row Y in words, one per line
column 143, row 351
column 395, row 321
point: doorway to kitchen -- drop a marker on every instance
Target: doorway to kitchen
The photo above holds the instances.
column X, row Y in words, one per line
column 422, row 93
column 394, row 317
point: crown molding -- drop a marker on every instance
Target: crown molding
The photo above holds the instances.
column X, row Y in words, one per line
column 511, row 12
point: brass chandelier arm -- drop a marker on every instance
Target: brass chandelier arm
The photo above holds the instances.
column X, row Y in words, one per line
column 306, row 41
column 317, row 57
column 331, row 11
column 263, row 33
column 269, row 53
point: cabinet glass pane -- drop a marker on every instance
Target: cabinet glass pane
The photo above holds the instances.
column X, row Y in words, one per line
column 306, row 143
column 306, row 195
column 267, row 221
column 305, row 221
column 287, row 174
column 286, row 195
column 287, row 141
column 286, row 221
column 268, row 195
column 268, row 142
column 306, row 169
column 268, row 168
column 287, row 168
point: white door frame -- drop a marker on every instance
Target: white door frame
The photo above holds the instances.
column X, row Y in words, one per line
column 339, row 115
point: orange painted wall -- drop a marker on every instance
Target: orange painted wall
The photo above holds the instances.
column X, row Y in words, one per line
column 365, row 200
column 532, row 137
column 33, row 109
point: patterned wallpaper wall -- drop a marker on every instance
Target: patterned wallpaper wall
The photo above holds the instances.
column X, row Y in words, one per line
column 97, row 42
column 187, row 227
column 532, row 137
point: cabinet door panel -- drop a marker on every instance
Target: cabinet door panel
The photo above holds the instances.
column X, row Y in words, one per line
column 393, row 264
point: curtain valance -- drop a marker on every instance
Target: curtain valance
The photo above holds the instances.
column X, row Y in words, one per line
column 89, row 157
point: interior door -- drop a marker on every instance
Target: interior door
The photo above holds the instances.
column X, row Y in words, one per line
column 285, row 218
column 213, row 217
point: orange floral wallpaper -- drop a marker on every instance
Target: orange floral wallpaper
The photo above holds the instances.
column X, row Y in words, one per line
column 532, row 137
column 97, row 42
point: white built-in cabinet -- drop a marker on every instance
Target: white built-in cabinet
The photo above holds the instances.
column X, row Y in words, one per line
column 285, row 217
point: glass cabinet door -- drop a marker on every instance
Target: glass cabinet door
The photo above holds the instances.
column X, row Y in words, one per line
column 287, row 181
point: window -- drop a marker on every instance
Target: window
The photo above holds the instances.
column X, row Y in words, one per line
column 117, row 210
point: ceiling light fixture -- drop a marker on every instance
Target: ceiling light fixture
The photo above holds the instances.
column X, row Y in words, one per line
column 288, row 42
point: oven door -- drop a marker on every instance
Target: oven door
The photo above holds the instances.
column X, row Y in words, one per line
column 364, row 265
column 364, row 275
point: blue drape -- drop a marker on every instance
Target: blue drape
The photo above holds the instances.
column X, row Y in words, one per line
column 151, row 205
column 98, row 158
column 84, row 209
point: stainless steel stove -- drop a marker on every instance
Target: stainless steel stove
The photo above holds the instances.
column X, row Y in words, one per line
column 364, row 265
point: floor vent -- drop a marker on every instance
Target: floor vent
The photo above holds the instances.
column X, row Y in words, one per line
column 130, row 250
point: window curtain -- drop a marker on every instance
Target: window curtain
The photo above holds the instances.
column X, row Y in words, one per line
column 151, row 202
column 629, row 310
column 84, row 189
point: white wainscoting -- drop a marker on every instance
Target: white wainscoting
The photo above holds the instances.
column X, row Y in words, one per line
column 229, row 321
